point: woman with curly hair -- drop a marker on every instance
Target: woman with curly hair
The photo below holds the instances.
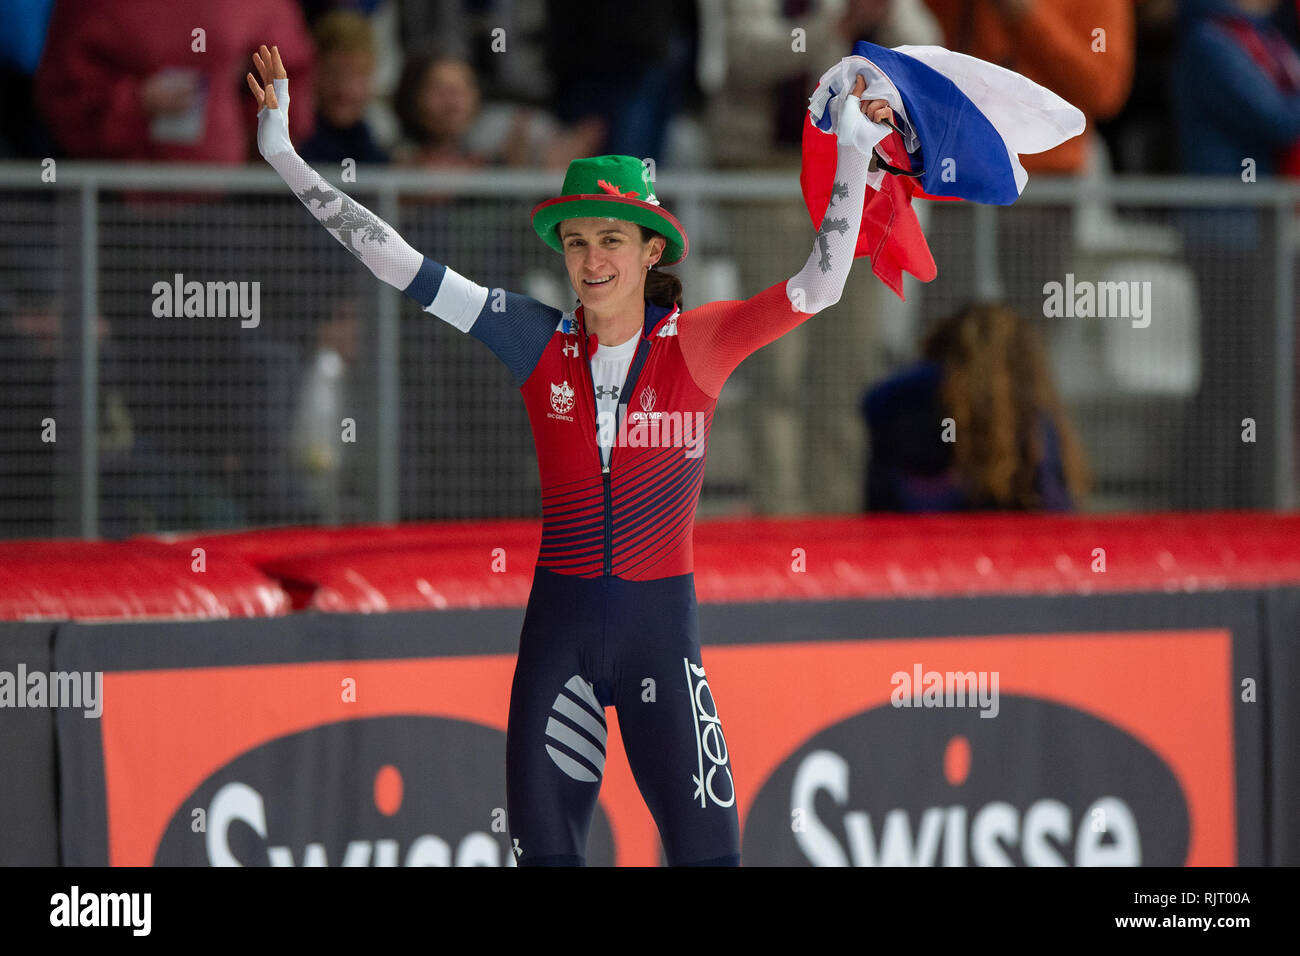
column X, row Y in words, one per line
column 977, row 425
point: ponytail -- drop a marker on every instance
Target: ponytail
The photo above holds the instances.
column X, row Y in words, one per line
column 661, row 288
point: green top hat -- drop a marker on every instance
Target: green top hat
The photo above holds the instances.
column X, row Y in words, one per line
column 612, row 187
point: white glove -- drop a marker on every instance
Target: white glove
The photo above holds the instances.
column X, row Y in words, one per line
column 854, row 127
column 273, row 124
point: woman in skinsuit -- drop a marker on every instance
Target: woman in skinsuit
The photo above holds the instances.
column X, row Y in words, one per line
column 620, row 393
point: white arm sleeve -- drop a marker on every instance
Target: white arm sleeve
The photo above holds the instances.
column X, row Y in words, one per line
column 820, row 282
column 361, row 232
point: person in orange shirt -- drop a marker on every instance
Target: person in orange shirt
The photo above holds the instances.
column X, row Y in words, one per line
column 1082, row 50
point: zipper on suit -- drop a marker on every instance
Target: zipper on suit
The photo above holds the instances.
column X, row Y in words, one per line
column 609, row 517
column 606, row 477
column 629, row 383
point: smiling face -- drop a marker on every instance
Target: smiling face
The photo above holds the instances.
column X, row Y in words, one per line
column 607, row 261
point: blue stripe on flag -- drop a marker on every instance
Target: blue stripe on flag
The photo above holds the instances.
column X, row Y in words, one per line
column 949, row 127
column 824, row 124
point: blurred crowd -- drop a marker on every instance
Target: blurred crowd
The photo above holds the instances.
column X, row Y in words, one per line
column 1167, row 86
column 534, row 83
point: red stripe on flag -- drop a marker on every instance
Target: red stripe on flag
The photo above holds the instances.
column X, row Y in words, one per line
column 890, row 234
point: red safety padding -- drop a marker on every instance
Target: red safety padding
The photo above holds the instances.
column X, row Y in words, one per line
column 993, row 553
column 260, row 546
column 492, row 572
column 82, row 580
column 450, row 564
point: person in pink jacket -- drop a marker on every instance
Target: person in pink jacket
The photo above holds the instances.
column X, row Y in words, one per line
column 144, row 80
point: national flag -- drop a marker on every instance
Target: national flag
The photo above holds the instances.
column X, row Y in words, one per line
column 964, row 123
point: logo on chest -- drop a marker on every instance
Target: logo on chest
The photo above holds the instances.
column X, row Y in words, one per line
column 561, row 401
column 647, row 402
column 651, row 428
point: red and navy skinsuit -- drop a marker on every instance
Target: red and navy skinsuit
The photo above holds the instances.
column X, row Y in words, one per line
column 611, row 618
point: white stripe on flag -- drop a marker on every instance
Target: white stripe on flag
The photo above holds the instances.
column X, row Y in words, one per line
column 1030, row 118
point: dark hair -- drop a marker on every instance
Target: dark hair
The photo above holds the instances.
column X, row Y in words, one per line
column 661, row 288
column 406, row 101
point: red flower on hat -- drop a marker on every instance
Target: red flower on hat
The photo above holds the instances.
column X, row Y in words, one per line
column 614, row 190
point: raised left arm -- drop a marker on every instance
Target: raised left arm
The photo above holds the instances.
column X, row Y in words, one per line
column 717, row 337
column 819, row 284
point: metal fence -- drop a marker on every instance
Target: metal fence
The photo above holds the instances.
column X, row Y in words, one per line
column 322, row 395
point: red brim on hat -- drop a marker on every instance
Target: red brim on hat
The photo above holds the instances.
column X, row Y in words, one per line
column 550, row 213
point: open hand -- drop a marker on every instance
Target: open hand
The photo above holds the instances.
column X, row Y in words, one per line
column 272, row 103
column 269, row 66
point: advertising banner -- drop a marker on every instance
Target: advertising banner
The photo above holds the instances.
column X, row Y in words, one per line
column 1113, row 729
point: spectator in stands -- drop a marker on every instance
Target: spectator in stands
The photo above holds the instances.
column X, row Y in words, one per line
column 633, row 72
column 1230, row 47
column 137, row 80
column 436, row 103
column 976, row 425
column 128, row 79
column 1081, row 50
column 345, row 54
column 1142, row 137
column 320, row 455
column 445, row 125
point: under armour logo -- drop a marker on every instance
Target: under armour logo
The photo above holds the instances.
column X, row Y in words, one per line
column 571, row 345
column 518, row 849
column 607, row 391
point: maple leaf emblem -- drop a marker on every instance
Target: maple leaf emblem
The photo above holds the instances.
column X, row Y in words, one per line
column 614, row 190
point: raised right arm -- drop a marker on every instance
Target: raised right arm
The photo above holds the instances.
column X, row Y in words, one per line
column 515, row 327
